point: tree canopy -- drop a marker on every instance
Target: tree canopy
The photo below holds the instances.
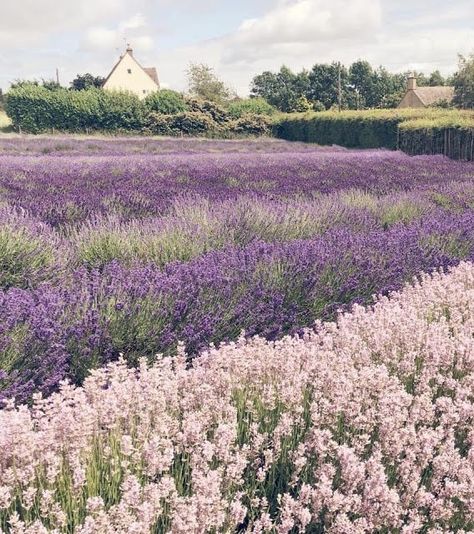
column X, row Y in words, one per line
column 203, row 83
column 358, row 86
column 86, row 81
column 464, row 83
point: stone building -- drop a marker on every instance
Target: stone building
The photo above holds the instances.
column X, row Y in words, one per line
column 423, row 97
column 129, row 75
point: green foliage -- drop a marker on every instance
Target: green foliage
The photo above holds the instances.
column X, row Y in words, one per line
column 392, row 100
column 204, row 84
column 216, row 112
column 251, row 124
column 361, row 86
column 52, row 85
column 451, row 135
column 22, row 83
column 416, row 131
column 254, row 106
column 5, row 123
column 193, row 122
column 187, row 123
column 349, row 128
column 166, row 101
column 464, row 83
column 302, row 105
column 36, row 109
column 87, row 81
column 281, row 89
column 436, row 79
column 160, row 124
column 318, row 106
column 25, row 260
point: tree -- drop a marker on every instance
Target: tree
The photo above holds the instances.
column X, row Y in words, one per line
column 324, row 84
column 389, row 88
column 464, row 83
column 361, row 80
column 203, row 83
column 51, row 85
column 436, row 78
column 86, row 81
column 282, row 89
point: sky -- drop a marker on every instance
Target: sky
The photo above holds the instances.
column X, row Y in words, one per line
column 238, row 38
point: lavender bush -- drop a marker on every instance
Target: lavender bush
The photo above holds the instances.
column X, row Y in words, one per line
column 364, row 426
column 128, row 247
column 263, row 288
column 70, row 189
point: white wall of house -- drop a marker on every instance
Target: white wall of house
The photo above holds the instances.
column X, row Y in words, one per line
column 128, row 75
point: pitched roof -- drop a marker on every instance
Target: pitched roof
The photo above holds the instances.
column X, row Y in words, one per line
column 431, row 95
column 151, row 71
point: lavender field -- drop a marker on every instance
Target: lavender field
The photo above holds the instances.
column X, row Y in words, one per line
column 129, row 249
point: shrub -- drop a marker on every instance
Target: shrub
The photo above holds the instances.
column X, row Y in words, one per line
column 194, row 122
column 159, row 124
column 363, row 426
column 302, row 104
column 251, row 124
column 166, row 101
column 187, row 123
column 252, row 106
column 318, row 106
column 30, row 253
column 216, row 112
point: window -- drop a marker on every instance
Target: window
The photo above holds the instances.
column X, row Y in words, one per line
column 144, row 91
column 129, row 71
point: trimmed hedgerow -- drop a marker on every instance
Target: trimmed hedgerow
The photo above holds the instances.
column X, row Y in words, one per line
column 36, row 109
column 453, row 138
column 356, row 129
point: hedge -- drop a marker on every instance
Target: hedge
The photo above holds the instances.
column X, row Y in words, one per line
column 351, row 129
column 454, row 139
column 416, row 131
column 37, row 109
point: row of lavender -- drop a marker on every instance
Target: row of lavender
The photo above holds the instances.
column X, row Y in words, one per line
column 197, row 246
column 63, row 189
column 362, row 427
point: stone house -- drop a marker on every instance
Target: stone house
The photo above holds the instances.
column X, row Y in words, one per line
column 423, row 97
column 129, row 75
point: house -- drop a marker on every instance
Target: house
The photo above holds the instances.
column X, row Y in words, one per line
column 129, row 75
column 422, row 97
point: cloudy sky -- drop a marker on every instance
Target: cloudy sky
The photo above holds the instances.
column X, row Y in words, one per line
column 238, row 38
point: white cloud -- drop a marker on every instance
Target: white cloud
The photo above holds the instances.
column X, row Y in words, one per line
column 86, row 35
column 46, row 16
column 299, row 33
column 306, row 21
column 132, row 30
column 136, row 21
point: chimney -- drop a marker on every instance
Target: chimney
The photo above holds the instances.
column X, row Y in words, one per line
column 411, row 82
column 129, row 49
